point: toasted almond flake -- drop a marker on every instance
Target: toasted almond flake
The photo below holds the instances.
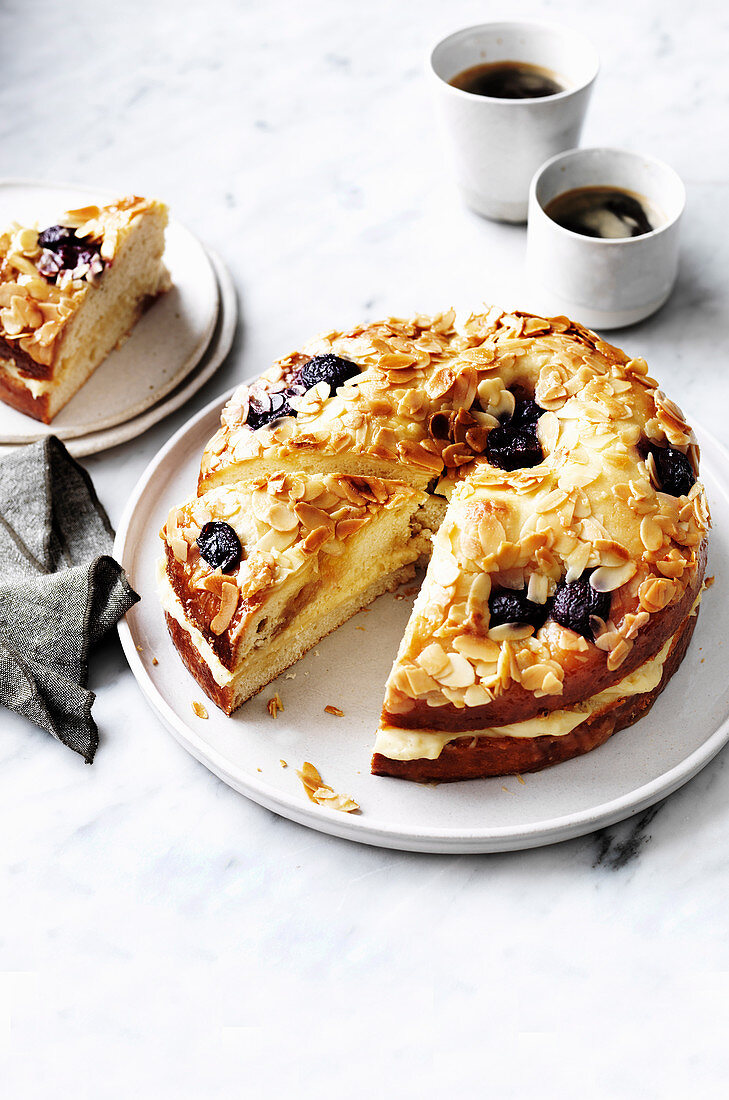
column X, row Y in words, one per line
column 321, row 793
column 609, row 578
column 274, row 705
column 334, row 710
column 510, row 632
column 228, row 603
column 199, row 709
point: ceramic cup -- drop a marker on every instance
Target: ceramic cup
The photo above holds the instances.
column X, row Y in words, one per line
column 604, row 283
column 498, row 144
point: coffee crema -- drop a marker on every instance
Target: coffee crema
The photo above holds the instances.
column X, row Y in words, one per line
column 509, row 80
column 608, row 212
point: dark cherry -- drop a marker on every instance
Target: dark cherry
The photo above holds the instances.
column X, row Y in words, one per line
column 64, row 251
column 327, row 368
column 575, row 602
column 675, row 473
column 526, row 412
column 54, row 236
column 268, row 407
column 514, row 445
column 509, row 606
column 219, row 545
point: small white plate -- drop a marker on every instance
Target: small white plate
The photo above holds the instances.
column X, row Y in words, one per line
column 215, row 353
column 163, row 347
column 687, row 726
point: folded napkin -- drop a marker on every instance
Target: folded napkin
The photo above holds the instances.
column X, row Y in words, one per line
column 60, row 592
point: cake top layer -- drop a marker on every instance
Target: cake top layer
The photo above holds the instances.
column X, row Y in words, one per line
column 45, row 274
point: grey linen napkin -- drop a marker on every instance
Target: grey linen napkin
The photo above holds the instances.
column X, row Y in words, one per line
column 60, row 591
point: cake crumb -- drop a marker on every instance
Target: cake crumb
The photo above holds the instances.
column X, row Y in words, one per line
column 334, row 710
column 321, row 793
column 199, row 709
column 140, row 648
column 360, row 628
column 155, row 661
column 521, row 779
column 274, row 705
column 283, row 763
column 708, row 581
column 290, row 676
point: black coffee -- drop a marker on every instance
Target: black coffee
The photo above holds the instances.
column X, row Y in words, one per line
column 509, row 80
column 603, row 212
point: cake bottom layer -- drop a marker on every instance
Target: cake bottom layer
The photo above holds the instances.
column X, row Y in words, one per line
column 480, row 757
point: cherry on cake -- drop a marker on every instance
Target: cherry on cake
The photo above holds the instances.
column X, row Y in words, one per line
column 549, row 481
column 72, row 292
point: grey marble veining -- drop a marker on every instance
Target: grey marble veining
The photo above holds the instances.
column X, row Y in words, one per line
column 161, row 935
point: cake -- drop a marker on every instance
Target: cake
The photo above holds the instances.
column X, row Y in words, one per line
column 549, row 481
column 70, row 293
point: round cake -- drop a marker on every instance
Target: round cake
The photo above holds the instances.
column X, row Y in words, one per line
column 547, row 482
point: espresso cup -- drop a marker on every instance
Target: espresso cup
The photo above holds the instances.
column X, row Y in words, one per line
column 498, row 144
column 605, row 283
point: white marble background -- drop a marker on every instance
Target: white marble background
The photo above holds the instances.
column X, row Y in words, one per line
column 160, row 936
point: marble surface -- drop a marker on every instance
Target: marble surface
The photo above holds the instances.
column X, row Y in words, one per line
column 160, row 935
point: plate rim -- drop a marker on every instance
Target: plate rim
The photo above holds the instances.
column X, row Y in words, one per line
column 188, row 386
column 421, row 839
column 171, row 384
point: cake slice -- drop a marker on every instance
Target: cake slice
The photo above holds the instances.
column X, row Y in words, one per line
column 255, row 575
column 70, row 293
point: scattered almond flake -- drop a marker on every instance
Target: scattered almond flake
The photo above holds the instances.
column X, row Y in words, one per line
column 283, row 763
column 334, row 710
column 155, row 661
column 274, row 705
column 360, row 628
column 290, row 676
column 323, row 794
column 199, row 709
column 521, row 779
column 506, row 790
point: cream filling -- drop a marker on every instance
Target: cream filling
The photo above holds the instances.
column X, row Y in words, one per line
column 403, row 744
column 36, row 386
column 172, row 605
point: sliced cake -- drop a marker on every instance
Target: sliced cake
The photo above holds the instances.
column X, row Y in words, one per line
column 70, row 293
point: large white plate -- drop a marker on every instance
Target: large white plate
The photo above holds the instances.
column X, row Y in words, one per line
column 687, row 726
column 164, row 345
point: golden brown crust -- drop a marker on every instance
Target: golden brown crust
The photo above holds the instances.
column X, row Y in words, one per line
column 197, row 667
column 495, row 756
